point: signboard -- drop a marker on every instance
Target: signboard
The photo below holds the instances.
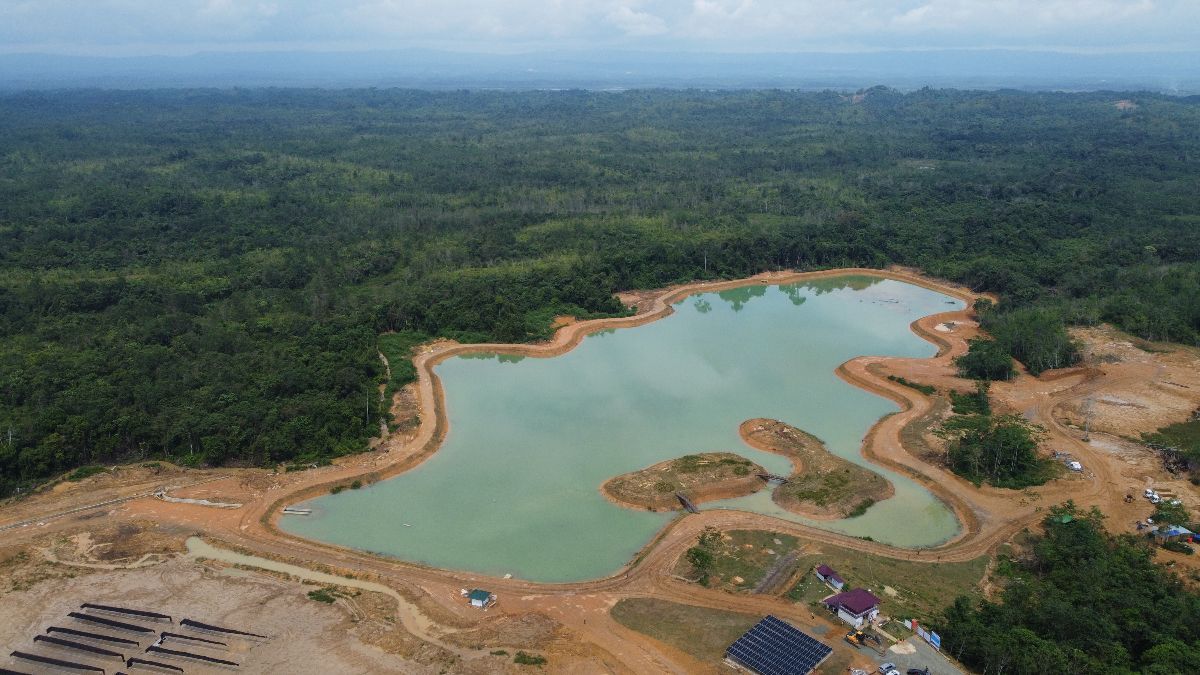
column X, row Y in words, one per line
column 935, row 640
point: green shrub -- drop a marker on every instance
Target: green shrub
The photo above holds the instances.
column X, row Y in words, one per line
column 527, row 659
column 356, row 485
column 861, row 508
column 976, row 403
column 926, row 389
column 1178, row 547
column 999, row 450
column 985, row 360
column 700, row 558
column 1166, row 513
column 336, row 489
column 322, row 595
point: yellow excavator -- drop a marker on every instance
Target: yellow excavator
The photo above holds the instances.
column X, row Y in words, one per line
column 860, row 638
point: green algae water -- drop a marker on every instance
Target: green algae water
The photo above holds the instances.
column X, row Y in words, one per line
column 515, row 487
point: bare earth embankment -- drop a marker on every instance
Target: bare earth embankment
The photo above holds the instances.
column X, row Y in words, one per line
column 702, row 478
column 35, row 587
column 822, row 485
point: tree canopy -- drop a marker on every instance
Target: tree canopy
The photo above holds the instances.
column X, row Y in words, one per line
column 204, row 275
column 1082, row 601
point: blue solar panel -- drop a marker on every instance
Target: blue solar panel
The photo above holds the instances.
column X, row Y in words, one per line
column 773, row 647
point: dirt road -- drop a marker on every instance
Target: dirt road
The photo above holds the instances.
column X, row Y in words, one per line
column 989, row 516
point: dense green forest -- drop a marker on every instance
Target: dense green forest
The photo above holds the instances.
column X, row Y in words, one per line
column 1081, row 602
column 1001, row 450
column 205, row 275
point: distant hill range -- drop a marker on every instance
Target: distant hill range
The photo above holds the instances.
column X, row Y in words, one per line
column 1168, row 72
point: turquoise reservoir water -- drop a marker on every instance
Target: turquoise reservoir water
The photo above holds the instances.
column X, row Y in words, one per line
column 515, row 487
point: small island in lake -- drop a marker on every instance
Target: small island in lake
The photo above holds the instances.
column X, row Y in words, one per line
column 823, row 484
column 702, row 478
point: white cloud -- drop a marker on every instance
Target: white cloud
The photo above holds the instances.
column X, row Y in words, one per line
column 636, row 23
column 755, row 25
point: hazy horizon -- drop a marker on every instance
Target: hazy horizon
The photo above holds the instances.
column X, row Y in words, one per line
column 146, row 27
column 1033, row 44
column 1166, row 72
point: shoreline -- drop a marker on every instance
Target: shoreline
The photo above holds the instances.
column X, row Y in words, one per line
column 431, row 397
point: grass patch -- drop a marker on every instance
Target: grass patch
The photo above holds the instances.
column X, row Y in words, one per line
column 1184, row 437
column 527, row 659
column 697, row 631
column 922, row 590
column 336, row 489
column 85, row 472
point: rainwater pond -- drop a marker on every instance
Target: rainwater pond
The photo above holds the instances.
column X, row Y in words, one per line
column 514, row 489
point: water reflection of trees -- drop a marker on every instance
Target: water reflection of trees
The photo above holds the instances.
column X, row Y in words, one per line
column 738, row 297
column 855, row 282
column 795, row 294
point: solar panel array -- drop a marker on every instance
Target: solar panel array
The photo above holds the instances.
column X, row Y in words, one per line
column 82, row 649
column 773, row 647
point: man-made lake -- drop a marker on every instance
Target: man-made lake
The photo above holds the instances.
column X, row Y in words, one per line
column 515, row 487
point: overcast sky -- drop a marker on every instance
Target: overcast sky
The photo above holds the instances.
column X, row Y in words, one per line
column 185, row 26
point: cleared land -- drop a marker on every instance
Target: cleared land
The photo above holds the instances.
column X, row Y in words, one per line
column 742, row 560
column 702, row 477
column 700, row 632
column 823, row 485
column 1114, row 466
